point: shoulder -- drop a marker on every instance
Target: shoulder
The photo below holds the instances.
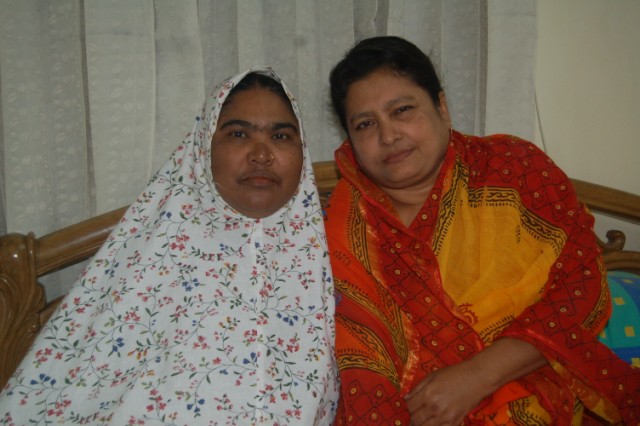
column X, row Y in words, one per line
column 492, row 148
column 506, row 161
column 505, row 158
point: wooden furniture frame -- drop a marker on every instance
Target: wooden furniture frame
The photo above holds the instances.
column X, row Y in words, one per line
column 25, row 258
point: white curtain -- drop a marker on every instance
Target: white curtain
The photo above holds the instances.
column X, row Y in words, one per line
column 95, row 94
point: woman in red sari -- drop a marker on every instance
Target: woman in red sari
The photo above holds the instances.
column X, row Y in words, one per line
column 470, row 285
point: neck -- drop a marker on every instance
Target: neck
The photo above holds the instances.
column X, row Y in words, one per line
column 407, row 202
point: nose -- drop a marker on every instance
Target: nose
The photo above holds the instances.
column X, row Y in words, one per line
column 388, row 133
column 261, row 154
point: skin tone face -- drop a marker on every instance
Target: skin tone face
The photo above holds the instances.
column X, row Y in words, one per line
column 399, row 137
column 256, row 153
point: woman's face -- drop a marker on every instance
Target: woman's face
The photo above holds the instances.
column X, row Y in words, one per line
column 256, row 153
column 398, row 135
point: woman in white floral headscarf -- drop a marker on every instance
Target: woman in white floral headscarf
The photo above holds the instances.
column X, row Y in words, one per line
column 199, row 309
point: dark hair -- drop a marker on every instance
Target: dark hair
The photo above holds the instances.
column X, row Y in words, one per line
column 387, row 52
column 256, row 80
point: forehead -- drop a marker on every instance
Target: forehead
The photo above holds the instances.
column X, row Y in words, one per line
column 379, row 88
column 258, row 102
column 381, row 80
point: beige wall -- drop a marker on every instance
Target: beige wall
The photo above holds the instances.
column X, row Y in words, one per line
column 588, row 93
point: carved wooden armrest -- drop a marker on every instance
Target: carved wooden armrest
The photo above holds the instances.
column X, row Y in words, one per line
column 23, row 259
column 619, row 204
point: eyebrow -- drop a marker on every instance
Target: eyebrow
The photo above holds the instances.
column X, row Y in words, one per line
column 388, row 105
column 252, row 126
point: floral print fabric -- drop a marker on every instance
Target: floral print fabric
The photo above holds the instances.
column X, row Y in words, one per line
column 191, row 313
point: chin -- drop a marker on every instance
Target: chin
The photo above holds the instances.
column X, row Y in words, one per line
column 259, row 212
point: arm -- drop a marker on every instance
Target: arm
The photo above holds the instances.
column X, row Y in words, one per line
column 449, row 394
column 571, row 295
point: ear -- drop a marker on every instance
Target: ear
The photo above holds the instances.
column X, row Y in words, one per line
column 443, row 108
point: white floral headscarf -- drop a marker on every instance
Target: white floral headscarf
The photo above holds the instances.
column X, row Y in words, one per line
column 192, row 313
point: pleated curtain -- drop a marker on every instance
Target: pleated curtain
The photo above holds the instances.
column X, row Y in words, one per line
column 95, row 94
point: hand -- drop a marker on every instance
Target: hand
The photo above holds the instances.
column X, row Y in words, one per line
column 446, row 396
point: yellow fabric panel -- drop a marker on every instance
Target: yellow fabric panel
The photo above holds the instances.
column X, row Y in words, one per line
column 494, row 279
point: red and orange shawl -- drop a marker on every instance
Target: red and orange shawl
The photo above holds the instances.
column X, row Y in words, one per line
column 501, row 247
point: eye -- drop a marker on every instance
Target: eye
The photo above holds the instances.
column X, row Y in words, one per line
column 238, row 134
column 285, row 137
column 403, row 108
column 364, row 124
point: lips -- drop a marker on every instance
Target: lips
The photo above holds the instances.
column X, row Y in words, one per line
column 397, row 156
column 259, row 178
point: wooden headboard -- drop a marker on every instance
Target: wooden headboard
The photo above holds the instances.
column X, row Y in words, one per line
column 25, row 258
